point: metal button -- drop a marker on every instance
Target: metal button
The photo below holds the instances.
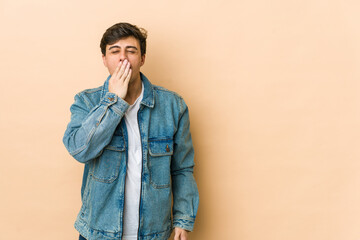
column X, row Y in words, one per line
column 111, row 99
column 167, row 148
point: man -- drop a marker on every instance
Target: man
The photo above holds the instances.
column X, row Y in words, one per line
column 134, row 139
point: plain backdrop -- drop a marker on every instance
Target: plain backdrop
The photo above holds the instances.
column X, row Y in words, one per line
column 273, row 94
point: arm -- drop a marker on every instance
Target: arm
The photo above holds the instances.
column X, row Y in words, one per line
column 90, row 130
column 185, row 192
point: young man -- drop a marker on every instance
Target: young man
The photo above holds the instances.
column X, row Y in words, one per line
column 134, row 139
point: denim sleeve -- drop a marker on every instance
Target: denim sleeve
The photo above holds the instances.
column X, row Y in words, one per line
column 185, row 192
column 91, row 129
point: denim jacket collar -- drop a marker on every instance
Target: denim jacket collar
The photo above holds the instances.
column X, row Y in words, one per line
column 148, row 98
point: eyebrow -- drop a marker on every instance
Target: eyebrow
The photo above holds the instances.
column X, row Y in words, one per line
column 127, row 47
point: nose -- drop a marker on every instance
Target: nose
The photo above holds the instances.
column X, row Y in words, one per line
column 123, row 56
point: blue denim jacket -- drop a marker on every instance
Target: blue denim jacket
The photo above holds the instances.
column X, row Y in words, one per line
column 97, row 137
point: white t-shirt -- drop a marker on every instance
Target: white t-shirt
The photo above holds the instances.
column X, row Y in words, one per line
column 133, row 172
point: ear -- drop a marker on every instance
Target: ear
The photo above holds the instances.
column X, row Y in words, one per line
column 104, row 60
column 142, row 60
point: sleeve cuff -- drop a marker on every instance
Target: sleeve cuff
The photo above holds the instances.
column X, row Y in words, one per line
column 184, row 224
column 118, row 105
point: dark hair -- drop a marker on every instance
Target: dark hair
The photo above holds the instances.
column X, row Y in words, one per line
column 123, row 30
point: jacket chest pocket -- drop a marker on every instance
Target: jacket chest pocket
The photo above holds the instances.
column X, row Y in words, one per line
column 106, row 167
column 160, row 152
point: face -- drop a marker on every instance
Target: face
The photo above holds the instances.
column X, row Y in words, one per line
column 126, row 48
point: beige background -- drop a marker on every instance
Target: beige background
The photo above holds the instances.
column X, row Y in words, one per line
column 273, row 93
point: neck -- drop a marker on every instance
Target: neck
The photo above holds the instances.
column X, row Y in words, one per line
column 134, row 90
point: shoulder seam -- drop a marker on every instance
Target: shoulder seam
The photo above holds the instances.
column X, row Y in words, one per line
column 91, row 90
column 88, row 91
column 159, row 88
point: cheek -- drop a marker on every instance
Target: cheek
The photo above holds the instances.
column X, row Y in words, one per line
column 134, row 64
column 112, row 68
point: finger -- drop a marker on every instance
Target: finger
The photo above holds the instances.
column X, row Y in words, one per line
column 183, row 237
column 126, row 72
column 122, row 69
column 176, row 235
column 128, row 77
column 117, row 69
column 114, row 74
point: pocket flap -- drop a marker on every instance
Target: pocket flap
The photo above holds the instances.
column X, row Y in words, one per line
column 160, row 147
